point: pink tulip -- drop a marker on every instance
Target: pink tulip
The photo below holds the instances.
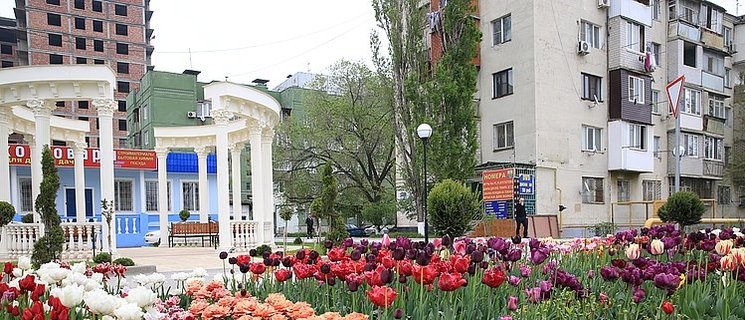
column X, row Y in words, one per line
column 656, row 247
column 437, row 242
column 633, row 252
column 386, row 240
column 512, row 303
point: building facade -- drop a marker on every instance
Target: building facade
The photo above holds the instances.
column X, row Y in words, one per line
column 113, row 33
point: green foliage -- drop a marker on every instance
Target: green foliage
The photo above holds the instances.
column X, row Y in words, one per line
column 298, row 240
column 28, row 218
column 49, row 246
column 127, row 262
column 684, row 208
column 286, row 213
column 604, row 228
column 7, row 212
column 452, row 208
column 184, row 215
column 736, row 168
column 380, row 214
column 261, row 249
column 324, row 207
column 102, row 257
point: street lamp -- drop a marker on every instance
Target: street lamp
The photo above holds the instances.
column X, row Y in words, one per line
column 424, row 131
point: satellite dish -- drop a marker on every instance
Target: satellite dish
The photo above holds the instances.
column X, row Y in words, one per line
column 679, row 151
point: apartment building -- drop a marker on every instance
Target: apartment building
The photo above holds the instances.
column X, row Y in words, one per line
column 116, row 33
column 573, row 93
column 8, row 43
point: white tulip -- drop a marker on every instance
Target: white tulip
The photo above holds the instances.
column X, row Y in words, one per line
column 179, row 276
column 97, row 277
column 141, row 296
column 199, row 273
column 17, row 272
column 79, row 268
column 76, row 279
column 91, row 285
column 129, row 311
column 24, row 262
column 70, row 296
column 101, row 302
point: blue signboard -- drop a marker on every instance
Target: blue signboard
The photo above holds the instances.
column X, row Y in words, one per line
column 526, row 182
column 498, row 208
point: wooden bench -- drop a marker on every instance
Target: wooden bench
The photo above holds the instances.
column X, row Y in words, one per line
column 185, row 230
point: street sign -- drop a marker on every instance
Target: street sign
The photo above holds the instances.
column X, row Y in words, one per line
column 674, row 90
column 526, row 184
column 497, row 208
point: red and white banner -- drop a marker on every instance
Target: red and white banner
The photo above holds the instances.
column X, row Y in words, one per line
column 20, row 155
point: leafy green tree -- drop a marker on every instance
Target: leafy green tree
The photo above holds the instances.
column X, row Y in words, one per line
column 452, row 208
column 7, row 212
column 684, row 208
column 324, row 207
column 286, row 214
column 49, row 246
column 442, row 97
column 380, row 214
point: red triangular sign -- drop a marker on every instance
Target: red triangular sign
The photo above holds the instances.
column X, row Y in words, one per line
column 674, row 90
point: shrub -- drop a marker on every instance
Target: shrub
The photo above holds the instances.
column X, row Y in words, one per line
column 184, row 215
column 49, row 246
column 7, row 212
column 604, row 228
column 28, row 218
column 452, row 208
column 127, row 262
column 298, row 240
column 684, row 208
column 261, row 249
column 102, row 257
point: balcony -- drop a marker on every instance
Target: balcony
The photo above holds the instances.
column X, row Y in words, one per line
column 712, row 39
column 714, row 125
column 632, row 10
column 621, row 157
column 713, row 168
column 684, row 30
column 712, row 81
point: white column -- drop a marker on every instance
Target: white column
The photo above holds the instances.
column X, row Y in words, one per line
column 235, row 165
column 78, row 149
column 204, row 187
column 143, row 196
column 221, row 118
column 42, row 113
column 14, row 188
column 162, row 154
column 4, row 157
column 105, row 109
column 257, row 188
column 268, row 185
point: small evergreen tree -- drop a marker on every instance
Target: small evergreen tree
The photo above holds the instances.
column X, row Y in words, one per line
column 452, row 208
column 324, row 207
column 7, row 212
column 49, row 246
column 684, row 208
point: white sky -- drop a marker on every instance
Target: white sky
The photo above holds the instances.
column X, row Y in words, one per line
column 278, row 37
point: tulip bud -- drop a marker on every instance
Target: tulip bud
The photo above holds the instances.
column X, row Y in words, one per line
column 477, row 256
column 472, row 269
column 326, row 269
column 484, row 265
column 266, row 254
column 398, row 314
column 512, row 303
column 446, row 241
column 398, row 254
column 313, row 255
column 244, row 268
column 331, row 281
column 328, row 244
column 401, row 278
column 287, row 262
column 516, row 239
column 252, row 252
column 300, row 255
column 223, row 255
column 232, row 260
column 355, row 255
column 353, row 286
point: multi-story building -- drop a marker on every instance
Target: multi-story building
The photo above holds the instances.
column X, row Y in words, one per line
column 574, row 93
column 8, row 43
column 114, row 33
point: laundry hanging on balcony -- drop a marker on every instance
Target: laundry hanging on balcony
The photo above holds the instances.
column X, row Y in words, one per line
column 650, row 63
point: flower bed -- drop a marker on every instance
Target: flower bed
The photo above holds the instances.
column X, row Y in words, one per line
column 637, row 274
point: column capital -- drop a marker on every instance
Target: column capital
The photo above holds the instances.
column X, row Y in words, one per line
column 202, row 151
column 267, row 133
column 105, row 107
column 161, row 152
column 254, row 131
column 221, row 116
column 78, row 147
column 41, row 107
column 236, row 146
column 30, row 139
column 4, row 116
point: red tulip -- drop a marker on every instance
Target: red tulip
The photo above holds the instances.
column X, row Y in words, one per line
column 38, row 292
column 382, row 296
column 304, row 271
column 282, row 275
column 336, row 254
column 450, row 281
column 27, row 284
column 460, row 264
column 404, row 267
column 668, row 307
column 257, row 268
column 242, row 260
column 387, row 261
column 424, row 275
column 493, row 278
column 8, row 268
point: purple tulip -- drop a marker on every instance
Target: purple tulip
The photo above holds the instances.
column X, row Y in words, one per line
column 667, row 282
column 534, row 294
column 537, row 256
column 515, row 281
column 546, row 286
column 639, row 295
column 514, row 255
column 398, row 314
column 590, row 274
column 609, row 273
column 512, row 303
column 525, row 271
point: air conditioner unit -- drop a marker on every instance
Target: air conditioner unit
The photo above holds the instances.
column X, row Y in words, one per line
column 603, row 3
column 191, row 114
column 583, row 48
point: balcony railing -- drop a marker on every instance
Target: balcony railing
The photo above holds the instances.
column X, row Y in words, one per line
column 713, row 168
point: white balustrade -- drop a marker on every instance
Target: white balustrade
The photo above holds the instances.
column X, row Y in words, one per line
column 126, row 225
column 81, row 237
column 20, row 238
column 243, row 234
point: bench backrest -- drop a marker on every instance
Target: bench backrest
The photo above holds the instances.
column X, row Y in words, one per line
column 194, row 228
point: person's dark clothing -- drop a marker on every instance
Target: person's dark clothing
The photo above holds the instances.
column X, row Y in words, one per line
column 521, row 218
column 309, row 225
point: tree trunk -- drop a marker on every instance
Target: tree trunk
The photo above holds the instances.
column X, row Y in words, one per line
column 285, row 252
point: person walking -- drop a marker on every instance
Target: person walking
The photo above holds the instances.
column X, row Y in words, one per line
column 309, row 225
column 521, row 218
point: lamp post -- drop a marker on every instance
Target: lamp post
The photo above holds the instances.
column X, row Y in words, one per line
column 424, row 131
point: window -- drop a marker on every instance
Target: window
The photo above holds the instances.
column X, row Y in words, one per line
column 636, row 89
column 55, row 40
column 122, row 48
column 97, row 26
column 190, row 193
column 80, row 43
column 54, row 19
column 151, row 195
column 711, row 18
column 656, row 49
column 7, row 64
column 651, row 190
column 727, row 78
column 98, row 61
column 591, row 87
column 592, row 190
column 692, row 101
column 97, row 6
column 145, row 138
column 502, row 83
column 716, row 106
column 690, row 143
column 26, row 194
column 80, row 4
column 727, row 35
column 55, row 59
column 592, row 139
column 80, row 60
column 120, row 10
column 123, row 195
column 714, row 63
column 655, row 101
column 713, row 148
column 689, row 15
column 98, row 45
column 622, row 191
column 122, row 105
column 123, row 144
column 121, row 29
column 60, row 104
column 145, row 112
column 637, row 136
column 97, row 124
column 504, row 136
column 656, row 10
column 80, row 23
column 122, row 125
column 502, row 30
column 590, row 33
column 83, row 119
column 656, row 145
column 54, row 2
column 689, row 54
column 122, row 67
column 635, row 36
column 724, row 195
column 122, row 86
column 6, row 49
column 82, row 104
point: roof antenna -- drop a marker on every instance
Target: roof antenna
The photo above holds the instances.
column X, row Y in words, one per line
column 191, row 66
column 226, row 78
column 308, row 67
